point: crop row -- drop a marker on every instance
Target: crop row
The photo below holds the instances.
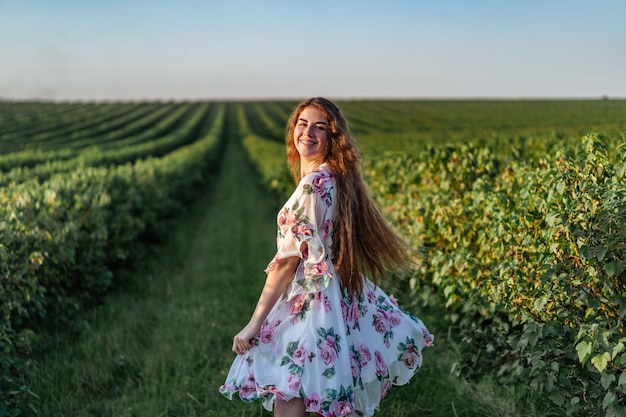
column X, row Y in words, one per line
column 98, row 129
column 34, row 128
column 64, row 239
column 124, row 151
column 152, row 125
column 33, row 117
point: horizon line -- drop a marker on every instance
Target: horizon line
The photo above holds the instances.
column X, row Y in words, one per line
column 603, row 97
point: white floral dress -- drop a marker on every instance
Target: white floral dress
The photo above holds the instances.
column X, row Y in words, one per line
column 340, row 354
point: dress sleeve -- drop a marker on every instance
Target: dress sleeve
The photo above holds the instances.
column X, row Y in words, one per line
column 299, row 225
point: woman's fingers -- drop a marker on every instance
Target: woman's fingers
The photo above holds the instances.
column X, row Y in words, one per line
column 240, row 346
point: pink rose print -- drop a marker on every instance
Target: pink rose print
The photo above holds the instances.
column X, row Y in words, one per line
column 351, row 311
column 394, row 318
column 410, row 359
column 294, row 382
column 279, row 395
column 381, row 368
column 352, row 308
column 319, row 183
column 327, row 307
column 312, row 403
column 319, row 268
column 329, row 349
column 342, row 408
column 266, row 335
column 429, row 339
column 296, row 303
column 409, row 354
column 228, row 388
column 371, row 296
column 381, row 324
column 303, row 230
column 327, row 228
column 286, row 220
column 328, row 354
column 292, row 218
column 393, row 300
column 354, row 364
column 364, row 355
column 282, row 218
column 248, row 388
column 330, row 341
column 299, row 356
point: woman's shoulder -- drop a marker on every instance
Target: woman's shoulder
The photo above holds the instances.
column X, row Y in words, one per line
column 321, row 177
column 320, row 182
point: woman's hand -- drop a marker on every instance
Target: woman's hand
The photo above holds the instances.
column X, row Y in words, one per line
column 243, row 340
column 277, row 279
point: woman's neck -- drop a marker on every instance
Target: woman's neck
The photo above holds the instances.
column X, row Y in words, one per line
column 306, row 167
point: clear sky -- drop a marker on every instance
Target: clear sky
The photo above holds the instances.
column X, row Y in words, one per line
column 189, row 49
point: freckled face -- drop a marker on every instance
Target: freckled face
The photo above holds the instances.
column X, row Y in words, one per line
column 310, row 135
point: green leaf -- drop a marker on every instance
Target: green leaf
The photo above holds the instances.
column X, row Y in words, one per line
column 329, row 372
column 585, row 252
column 600, row 252
column 606, row 380
column 539, row 303
column 622, row 379
column 620, row 170
column 615, row 410
column 614, row 268
column 584, row 349
column 292, row 347
column 551, row 218
column 557, row 397
column 609, row 399
column 600, row 361
column 617, row 349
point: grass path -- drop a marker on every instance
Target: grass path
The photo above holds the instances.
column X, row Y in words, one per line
column 163, row 348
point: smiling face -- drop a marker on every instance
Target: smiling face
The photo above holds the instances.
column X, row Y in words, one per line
column 310, row 137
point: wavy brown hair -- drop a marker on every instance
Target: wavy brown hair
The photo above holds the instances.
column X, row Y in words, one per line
column 363, row 242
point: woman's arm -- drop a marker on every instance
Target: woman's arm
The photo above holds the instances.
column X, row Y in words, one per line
column 277, row 279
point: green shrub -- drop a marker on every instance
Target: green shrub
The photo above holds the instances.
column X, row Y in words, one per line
column 62, row 241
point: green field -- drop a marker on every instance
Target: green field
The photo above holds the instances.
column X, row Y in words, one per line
column 134, row 236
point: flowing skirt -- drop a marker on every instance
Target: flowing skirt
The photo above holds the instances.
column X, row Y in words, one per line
column 339, row 354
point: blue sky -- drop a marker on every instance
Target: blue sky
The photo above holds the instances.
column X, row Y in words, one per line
column 162, row 49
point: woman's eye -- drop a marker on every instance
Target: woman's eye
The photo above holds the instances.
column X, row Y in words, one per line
column 321, row 127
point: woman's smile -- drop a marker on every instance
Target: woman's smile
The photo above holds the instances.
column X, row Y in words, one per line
column 311, row 136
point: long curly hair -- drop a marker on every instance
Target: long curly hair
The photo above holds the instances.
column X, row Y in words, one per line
column 363, row 242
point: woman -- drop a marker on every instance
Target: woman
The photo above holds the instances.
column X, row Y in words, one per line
column 323, row 338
